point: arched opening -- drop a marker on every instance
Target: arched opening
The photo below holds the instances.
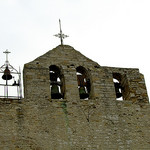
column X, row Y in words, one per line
column 84, row 85
column 56, row 83
column 118, row 86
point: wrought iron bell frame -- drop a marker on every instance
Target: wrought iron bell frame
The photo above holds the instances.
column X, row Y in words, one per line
column 14, row 73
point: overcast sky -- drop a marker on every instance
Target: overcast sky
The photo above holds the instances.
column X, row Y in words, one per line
column 113, row 33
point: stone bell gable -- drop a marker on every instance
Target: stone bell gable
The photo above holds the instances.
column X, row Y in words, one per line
column 67, row 60
column 72, row 68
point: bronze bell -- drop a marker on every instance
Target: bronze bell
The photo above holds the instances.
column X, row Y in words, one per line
column 83, row 93
column 55, row 94
column 7, row 75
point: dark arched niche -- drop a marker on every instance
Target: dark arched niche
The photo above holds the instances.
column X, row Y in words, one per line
column 117, row 79
column 84, row 84
column 56, row 82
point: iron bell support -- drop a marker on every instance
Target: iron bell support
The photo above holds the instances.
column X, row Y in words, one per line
column 8, row 73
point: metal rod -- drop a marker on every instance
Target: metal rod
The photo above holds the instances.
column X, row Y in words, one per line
column 11, row 72
column 61, row 37
column 20, row 85
column 16, row 97
column 6, row 87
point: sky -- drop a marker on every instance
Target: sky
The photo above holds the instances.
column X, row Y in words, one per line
column 114, row 33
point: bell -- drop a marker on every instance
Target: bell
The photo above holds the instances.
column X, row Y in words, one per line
column 117, row 87
column 83, row 93
column 81, row 81
column 7, row 75
column 55, row 94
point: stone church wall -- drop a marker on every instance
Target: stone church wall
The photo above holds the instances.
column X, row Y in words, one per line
column 100, row 122
column 93, row 124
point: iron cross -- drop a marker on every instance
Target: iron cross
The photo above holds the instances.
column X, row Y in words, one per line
column 61, row 35
column 7, row 52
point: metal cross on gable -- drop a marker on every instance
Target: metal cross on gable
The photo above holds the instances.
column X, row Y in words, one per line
column 61, row 35
column 6, row 52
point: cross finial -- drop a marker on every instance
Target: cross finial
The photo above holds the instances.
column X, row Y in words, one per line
column 61, row 35
column 7, row 52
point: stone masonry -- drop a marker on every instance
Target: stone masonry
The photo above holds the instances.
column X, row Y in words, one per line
column 100, row 122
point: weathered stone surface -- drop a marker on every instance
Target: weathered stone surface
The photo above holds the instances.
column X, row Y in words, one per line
column 38, row 122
